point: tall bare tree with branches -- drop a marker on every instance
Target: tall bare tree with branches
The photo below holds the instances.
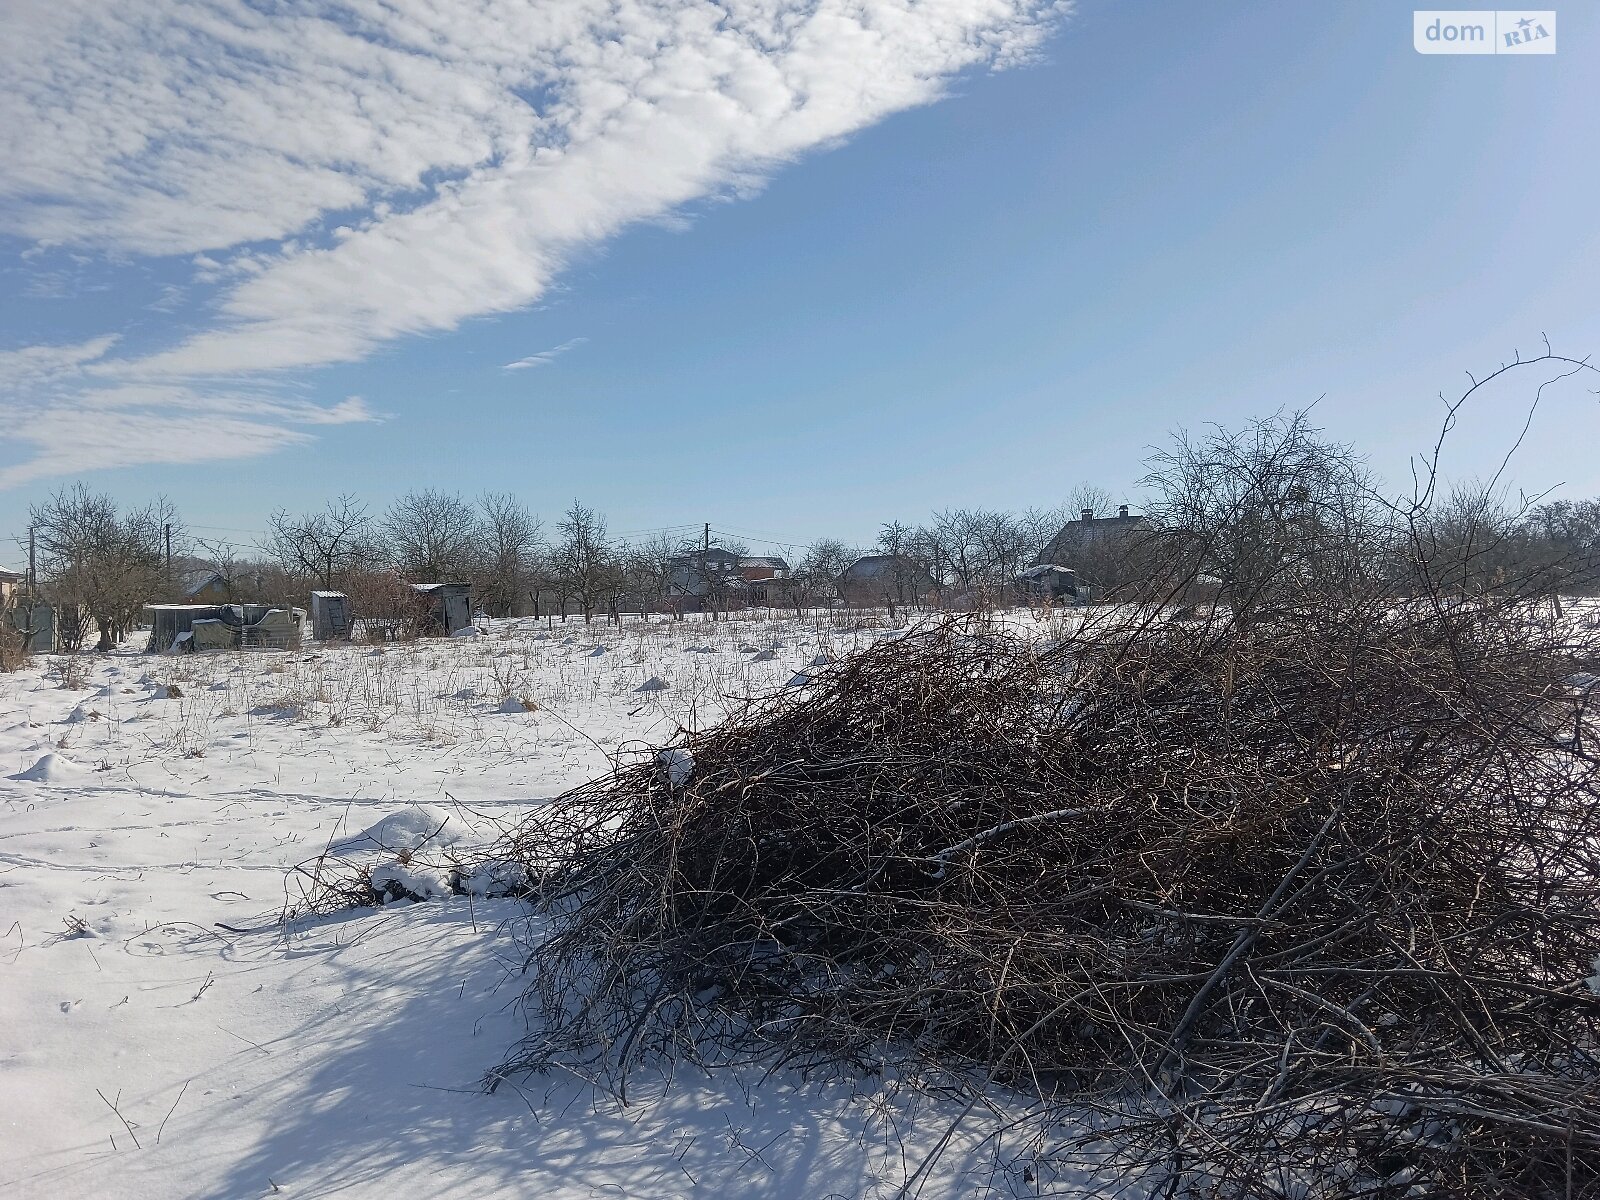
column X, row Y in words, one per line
column 584, row 559
column 326, row 545
column 511, row 543
column 102, row 561
column 433, row 536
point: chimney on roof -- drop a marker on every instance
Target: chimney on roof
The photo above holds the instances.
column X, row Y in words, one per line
column 1088, row 514
column 1122, row 510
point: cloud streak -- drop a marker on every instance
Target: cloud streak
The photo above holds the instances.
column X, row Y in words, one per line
column 74, row 423
column 365, row 170
column 545, row 357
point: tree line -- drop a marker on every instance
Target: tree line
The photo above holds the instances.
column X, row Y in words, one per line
column 1237, row 508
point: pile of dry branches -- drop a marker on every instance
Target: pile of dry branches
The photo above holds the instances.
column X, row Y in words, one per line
column 1308, row 901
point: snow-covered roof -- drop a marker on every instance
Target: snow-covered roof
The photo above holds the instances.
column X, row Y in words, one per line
column 197, row 579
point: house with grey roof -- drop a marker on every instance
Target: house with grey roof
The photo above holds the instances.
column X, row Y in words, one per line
column 881, row 578
column 1089, row 533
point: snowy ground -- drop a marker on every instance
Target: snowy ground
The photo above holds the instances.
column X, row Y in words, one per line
column 161, row 1035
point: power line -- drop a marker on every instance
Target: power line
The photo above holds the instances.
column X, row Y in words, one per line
column 771, row 541
column 657, row 529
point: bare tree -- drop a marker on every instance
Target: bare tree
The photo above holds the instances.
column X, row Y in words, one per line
column 953, row 533
column 648, row 567
column 1271, row 511
column 327, row 545
column 386, row 608
column 1037, row 528
column 1005, row 546
column 910, row 574
column 819, row 570
column 1088, row 498
column 584, row 560
column 1469, row 540
column 101, row 561
column 433, row 536
column 1565, row 534
column 511, row 538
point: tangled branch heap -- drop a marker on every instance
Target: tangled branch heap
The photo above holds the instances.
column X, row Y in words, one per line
column 1309, row 900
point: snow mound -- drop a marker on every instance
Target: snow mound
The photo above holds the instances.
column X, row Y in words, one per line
column 83, row 713
column 765, row 656
column 470, row 631
column 677, row 764
column 654, row 684
column 405, row 830
column 494, row 878
column 699, row 649
column 513, row 704
column 822, row 660
column 402, row 881
column 52, row 768
column 596, row 652
column 798, row 679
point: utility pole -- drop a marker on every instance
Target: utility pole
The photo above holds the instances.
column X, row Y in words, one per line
column 705, row 571
column 33, row 576
column 167, row 532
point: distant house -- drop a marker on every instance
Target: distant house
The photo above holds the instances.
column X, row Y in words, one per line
column 763, row 566
column 200, row 585
column 704, row 572
column 768, row 580
column 1106, row 552
column 10, row 583
column 882, row 578
column 1089, row 533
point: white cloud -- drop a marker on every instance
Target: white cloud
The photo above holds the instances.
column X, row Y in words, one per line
column 354, row 171
column 75, row 424
column 32, row 366
column 544, row 357
column 68, row 441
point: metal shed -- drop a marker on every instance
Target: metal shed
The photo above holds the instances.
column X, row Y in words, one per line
column 271, row 626
column 451, row 606
column 330, row 616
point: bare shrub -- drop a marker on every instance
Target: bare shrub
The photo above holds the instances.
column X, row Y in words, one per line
column 14, row 651
column 386, row 608
column 1325, row 871
column 1302, row 892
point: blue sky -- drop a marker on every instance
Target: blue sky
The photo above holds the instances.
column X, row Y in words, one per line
column 1030, row 246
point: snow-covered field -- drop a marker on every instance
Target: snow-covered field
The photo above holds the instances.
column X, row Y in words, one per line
column 162, row 1035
